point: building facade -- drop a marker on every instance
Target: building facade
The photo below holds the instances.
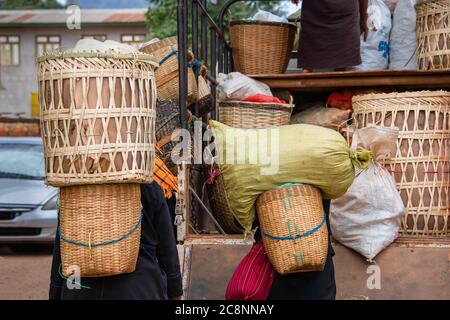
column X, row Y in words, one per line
column 26, row 34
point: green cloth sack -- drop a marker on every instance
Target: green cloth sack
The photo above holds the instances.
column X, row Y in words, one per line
column 253, row 161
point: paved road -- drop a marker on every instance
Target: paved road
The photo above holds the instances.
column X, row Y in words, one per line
column 25, row 272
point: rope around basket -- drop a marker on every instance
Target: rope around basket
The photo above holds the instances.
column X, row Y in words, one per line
column 93, row 245
column 294, row 237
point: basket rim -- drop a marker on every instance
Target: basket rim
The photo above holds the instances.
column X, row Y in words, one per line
column 263, row 23
column 143, row 57
column 424, row 2
column 409, row 94
column 243, row 104
column 160, row 44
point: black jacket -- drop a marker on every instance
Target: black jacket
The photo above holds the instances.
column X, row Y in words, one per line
column 157, row 275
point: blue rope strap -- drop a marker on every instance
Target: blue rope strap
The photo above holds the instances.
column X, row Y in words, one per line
column 170, row 55
column 194, row 65
column 298, row 235
column 126, row 235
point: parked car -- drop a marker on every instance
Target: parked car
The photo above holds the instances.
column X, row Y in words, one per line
column 28, row 208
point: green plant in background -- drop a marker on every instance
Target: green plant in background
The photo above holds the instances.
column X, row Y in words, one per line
column 162, row 14
column 30, row 4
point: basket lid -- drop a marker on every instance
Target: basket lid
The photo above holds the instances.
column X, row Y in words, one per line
column 143, row 57
column 396, row 95
column 263, row 23
column 424, row 2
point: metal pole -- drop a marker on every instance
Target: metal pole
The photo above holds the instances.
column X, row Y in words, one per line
column 182, row 61
column 204, row 36
column 213, row 72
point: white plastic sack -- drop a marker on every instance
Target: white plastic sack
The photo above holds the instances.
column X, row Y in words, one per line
column 391, row 4
column 375, row 50
column 367, row 218
column 318, row 115
column 262, row 15
column 403, row 41
column 87, row 45
column 236, row 86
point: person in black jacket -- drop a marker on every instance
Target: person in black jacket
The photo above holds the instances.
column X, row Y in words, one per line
column 157, row 275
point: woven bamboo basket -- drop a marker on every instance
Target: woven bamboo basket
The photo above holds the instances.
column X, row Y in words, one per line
column 167, row 75
column 293, row 228
column 433, row 34
column 251, row 115
column 261, row 47
column 421, row 165
column 97, row 117
column 168, row 120
column 100, row 228
column 244, row 115
column 219, row 204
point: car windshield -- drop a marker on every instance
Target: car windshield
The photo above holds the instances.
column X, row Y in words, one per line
column 21, row 161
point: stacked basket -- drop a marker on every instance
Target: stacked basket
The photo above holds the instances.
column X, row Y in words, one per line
column 293, row 228
column 422, row 164
column 97, row 124
column 433, row 34
column 261, row 47
column 167, row 75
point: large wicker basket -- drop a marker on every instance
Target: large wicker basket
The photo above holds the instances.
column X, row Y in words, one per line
column 167, row 75
column 421, row 166
column 100, row 229
column 97, row 117
column 244, row 115
column 433, row 34
column 293, row 228
column 261, row 47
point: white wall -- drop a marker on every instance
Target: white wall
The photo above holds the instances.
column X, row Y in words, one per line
column 19, row 82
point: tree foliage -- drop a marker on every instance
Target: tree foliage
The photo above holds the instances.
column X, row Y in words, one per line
column 162, row 14
column 30, row 4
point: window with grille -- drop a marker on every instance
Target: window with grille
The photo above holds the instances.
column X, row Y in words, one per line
column 99, row 37
column 134, row 40
column 47, row 44
column 9, row 50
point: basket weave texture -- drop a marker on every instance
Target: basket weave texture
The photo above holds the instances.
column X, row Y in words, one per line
column 293, row 227
column 433, row 35
column 97, row 118
column 92, row 215
column 219, row 205
column 252, row 115
column 421, row 167
column 261, row 47
column 168, row 122
column 167, row 75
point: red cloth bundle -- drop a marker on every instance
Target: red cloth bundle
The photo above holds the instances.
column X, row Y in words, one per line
column 263, row 99
column 253, row 277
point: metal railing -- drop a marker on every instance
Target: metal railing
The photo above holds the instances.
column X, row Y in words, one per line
column 208, row 45
column 198, row 31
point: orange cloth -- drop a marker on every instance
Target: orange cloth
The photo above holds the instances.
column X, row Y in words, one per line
column 164, row 178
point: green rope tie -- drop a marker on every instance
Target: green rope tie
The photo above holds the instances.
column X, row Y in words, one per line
column 361, row 158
